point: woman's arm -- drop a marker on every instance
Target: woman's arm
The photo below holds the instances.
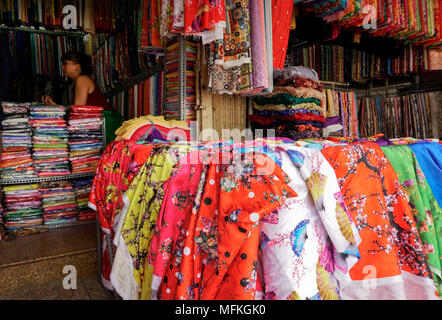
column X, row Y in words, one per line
column 81, row 90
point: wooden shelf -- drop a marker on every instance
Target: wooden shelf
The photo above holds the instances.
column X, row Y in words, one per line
column 45, row 31
column 135, row 80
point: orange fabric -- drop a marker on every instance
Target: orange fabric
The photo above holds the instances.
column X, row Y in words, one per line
column 142, row 153
column 379, row 207
column 217, row 254
column 14, row 149
column 11, row 163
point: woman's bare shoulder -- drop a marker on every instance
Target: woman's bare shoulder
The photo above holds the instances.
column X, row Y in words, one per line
column 85, row 82
column 84, row 79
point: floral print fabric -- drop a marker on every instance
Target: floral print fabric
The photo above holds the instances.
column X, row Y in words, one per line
column 234, row 49
column 294, row 230
column 143, row 201
column 177, row 205
column 311, row 240
column 217, row 256
column 111, row 180
column 391, row 251
column 203, row 15
column 425, row 209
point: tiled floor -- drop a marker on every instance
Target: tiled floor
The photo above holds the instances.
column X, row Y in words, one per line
column 87, row 289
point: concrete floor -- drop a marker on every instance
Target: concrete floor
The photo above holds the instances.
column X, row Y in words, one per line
column 31, row 267
column 87, row 289
column 53, row 243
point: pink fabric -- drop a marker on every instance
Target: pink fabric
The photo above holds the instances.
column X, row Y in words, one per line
column 259, row 57
column 177, row 204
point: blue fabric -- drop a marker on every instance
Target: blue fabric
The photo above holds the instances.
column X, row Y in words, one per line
column 429, row 156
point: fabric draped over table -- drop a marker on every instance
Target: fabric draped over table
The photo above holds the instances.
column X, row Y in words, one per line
column 426, row 211
column 367, row 223
column 385, row 222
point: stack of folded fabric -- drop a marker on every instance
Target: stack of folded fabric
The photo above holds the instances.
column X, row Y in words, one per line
column 82, row 189
column 22, row 206
column 86, row 138
column 295, row 109
column 50, row 142
column 16, row 161
column 59, row 204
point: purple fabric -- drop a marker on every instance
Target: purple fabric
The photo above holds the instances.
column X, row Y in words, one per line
column 155, row 135
column 259, row 68
column 332, row 121
column 379, row 141
column 384, row 142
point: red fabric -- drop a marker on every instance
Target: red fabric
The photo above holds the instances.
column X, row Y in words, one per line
column 87, row 108
column 281, row 20
column 223, row 264
column 203, row 15
column 85, row 115
column 12, row 199
column 262, row 120
column 298, row 82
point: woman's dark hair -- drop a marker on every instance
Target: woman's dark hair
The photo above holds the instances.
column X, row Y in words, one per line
column 82, row 59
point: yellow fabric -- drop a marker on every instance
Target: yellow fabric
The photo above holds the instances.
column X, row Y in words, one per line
column 128, row 127
column 330, row 106
column 145, row 195
column 20, row 188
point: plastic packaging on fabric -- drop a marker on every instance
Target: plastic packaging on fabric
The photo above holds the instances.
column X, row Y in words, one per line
column 85, row 138
column 50, row 140
column 15, row 160
column 23, row 206
column 58, row 202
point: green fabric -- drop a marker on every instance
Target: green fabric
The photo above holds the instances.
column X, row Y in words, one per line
column 285, row 99
column 426, row 211
column 113, row 122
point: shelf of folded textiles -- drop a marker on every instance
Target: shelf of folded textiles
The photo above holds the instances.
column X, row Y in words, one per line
column 70, row 224
column 52, row 178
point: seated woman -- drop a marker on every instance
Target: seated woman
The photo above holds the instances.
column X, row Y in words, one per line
column 78, row 67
